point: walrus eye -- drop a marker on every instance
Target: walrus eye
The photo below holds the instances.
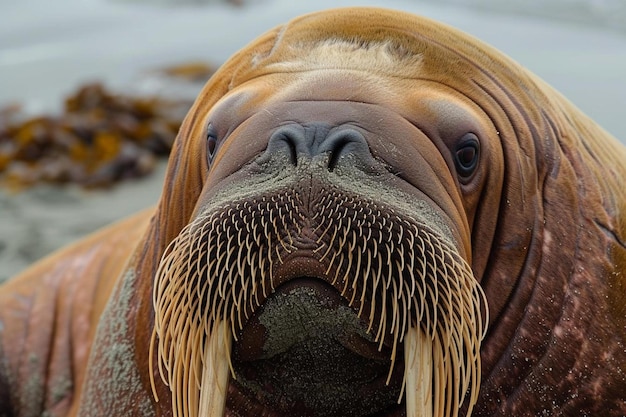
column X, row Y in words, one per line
column 466, row 155
column 211, row 142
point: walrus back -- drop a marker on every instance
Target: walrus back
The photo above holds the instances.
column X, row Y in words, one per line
column 49, row 314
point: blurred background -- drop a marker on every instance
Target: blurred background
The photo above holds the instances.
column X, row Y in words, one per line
column 118, row 75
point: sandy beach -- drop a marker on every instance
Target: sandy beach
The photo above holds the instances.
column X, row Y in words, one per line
column 46, row 54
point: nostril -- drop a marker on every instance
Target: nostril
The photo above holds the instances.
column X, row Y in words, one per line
column 338, row 149
column 288, row 140
column 293, row 149
column 294, row 142
column 341, row 143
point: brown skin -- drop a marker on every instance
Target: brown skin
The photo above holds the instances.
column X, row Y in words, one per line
column 49, row 317
column 541, row 221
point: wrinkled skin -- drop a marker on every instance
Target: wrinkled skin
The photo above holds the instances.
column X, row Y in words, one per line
column 540, row 220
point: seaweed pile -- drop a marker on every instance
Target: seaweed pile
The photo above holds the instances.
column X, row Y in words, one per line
column 99, row 139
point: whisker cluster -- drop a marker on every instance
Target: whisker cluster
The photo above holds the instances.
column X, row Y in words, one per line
column 395, row 270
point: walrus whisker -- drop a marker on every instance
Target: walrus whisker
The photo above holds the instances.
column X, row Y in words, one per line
column 214, row 274
column 395, row 336
column 233, row 323
column 373, row 301
column 346, row 279
column 254, row 298
column 241, row 307
column 337, row 268
column 382, row 324
column 366, row 276
column 355, row 283
column 394, row 308
column 406, row 310
column 198, row 335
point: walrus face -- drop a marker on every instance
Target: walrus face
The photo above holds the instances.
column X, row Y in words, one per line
column 326, row 265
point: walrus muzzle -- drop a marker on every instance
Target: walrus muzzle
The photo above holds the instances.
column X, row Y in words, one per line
column 336, row 302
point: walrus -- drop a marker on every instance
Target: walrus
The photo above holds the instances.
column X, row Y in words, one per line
column 365, row 213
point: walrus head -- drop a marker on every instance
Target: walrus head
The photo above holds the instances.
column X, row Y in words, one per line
column 329, row 242
column 323, row 259
column 328, row 220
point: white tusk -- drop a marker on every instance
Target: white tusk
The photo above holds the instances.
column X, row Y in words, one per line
column 418, row 358
column 214, row 386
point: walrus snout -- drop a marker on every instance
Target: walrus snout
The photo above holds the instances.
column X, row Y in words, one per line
column 302, row 142
column 301, row 309
column 389, row 278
